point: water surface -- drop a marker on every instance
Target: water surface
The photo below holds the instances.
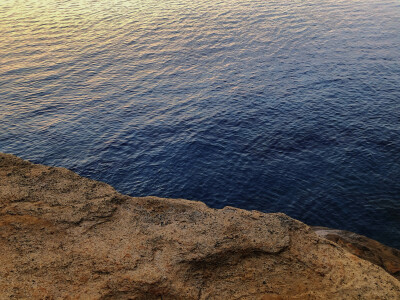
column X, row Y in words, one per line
column 290, row 106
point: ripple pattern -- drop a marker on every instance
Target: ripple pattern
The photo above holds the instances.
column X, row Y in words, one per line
column 290, row 106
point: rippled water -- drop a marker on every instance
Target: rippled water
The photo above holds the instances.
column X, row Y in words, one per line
column 290, row 106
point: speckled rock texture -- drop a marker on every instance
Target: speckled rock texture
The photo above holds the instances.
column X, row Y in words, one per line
column 67, row 237
column 386, row 257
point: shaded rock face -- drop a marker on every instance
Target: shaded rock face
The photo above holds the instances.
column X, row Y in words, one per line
column 64, row 236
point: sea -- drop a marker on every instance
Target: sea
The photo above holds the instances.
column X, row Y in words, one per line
column 286, row 106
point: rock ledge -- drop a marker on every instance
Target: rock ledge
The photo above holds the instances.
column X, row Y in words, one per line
column 63, row 236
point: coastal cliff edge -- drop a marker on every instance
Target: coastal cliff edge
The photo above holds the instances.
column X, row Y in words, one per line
column 63, row 236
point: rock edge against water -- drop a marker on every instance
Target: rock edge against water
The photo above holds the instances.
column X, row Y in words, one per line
column 63, row 236
column 386, row 257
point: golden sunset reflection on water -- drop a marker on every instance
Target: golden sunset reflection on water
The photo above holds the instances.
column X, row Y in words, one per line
column 271, row 105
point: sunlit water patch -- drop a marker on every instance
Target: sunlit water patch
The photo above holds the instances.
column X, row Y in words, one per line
column 290, row 106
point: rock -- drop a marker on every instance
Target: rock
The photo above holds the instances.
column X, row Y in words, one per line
column 386, row 257
column 67, row 237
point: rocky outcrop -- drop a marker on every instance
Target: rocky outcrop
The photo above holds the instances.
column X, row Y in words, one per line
column 386, row 257
column 67, row 237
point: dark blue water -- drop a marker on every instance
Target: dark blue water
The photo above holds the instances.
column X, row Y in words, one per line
column 290, row 106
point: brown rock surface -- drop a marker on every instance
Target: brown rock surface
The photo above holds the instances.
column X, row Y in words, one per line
column 67, row 237
column 386, row 257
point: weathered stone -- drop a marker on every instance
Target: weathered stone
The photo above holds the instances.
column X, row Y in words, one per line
column 67, row 237
column 386, row 257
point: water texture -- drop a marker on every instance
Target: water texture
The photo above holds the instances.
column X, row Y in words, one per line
column 290, row 106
